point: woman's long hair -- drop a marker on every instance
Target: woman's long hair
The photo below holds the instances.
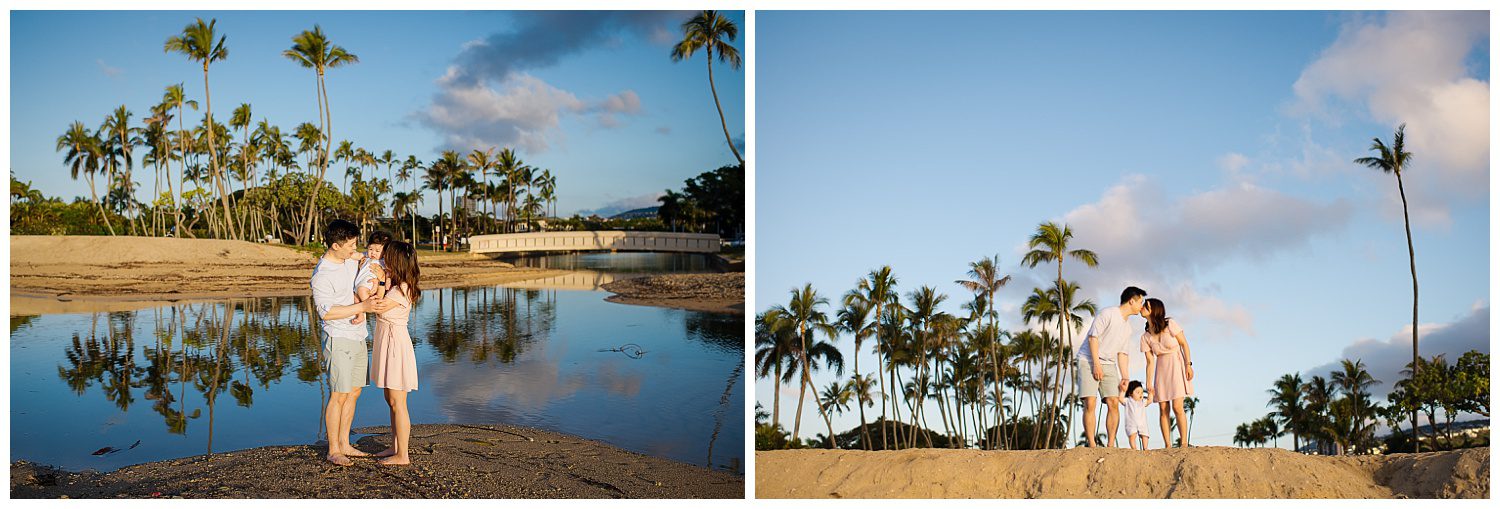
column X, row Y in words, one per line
column 1157, row 322
column 401, row 262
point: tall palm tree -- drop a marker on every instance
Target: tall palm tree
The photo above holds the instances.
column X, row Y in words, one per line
column 84, row 155
column 1394, row 159
column 313, row 50
column 854, row 318
column 175, row 96
column 439, row 178
column 711, row 32
column 777, row 354
column 1050, row 244
column 122, row 139
column 1286, row 399
column 196, row 42
column 241, row 119
column 863, row 387
column 1191, row 405
column 406, row 174
column 482, row 161
column 805, row 318
column 1317, row 397
column 924, row 317
column 879, row 289
column 507, row 165
column 985, row 279
column 1354, row 381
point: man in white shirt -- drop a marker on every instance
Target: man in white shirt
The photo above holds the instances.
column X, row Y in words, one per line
column 1103, row 366
column 344, row 346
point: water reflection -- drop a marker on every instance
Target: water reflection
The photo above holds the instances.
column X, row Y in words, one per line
column 518, row 355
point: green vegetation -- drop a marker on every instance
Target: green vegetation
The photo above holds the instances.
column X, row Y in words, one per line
column 1337, row 415
column 712, row 202
column 994, row 389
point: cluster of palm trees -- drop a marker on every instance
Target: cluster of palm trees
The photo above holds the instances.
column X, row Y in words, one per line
column 198, row 164
column 1335, row 413
column 992, row 388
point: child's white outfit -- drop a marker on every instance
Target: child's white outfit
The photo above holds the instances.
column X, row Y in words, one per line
column 1135, row 417
column 366, row 277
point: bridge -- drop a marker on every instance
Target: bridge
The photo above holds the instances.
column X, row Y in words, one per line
column 538, row 242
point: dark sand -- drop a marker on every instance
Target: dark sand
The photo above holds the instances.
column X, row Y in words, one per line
column 448, row 461
column 715, row 293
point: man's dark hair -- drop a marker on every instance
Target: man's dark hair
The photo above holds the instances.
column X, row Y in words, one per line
column 339, row 230
column 378, row 238
column 1131, row 293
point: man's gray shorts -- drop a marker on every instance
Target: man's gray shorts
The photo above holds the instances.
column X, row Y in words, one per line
column 348, row 363
column 1109, row 387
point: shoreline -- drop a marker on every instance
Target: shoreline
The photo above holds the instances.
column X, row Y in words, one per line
column 82, row 274
column 448, row 461
column 713, row 293
column 1195, row 472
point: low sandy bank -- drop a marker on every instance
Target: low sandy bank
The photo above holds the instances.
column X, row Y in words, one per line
column 716, row 293
column 66, row 274
column 448, row 461
column 1198, row 472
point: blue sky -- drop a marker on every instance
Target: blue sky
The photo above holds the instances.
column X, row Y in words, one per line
column 1204, row 156
column 592, row 96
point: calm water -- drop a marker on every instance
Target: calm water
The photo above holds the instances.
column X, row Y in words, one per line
column 180, row 382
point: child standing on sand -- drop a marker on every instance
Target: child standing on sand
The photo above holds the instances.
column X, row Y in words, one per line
column 1134, row 407
column 393, row 359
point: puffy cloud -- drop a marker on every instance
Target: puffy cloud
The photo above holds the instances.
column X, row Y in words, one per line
column 542, row 38
column 1386, row 358
column 1411, row 67
column 1159, row 243
column 523, row 111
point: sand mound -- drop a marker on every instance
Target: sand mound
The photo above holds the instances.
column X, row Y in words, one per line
column 715, row 293
column 27, row 250
column 1199, row 472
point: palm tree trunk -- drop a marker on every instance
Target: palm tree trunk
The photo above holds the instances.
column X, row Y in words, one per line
column 213, row 154
column 1411, row 256
column 722, row 123
column 102, row 216
column 864, row 432
column 776, row 398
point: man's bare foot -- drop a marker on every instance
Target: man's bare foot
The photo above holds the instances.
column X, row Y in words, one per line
column 395, row 460
column 386, row 453
column 339, row 459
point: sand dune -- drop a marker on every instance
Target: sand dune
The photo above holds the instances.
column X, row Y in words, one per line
column 1199, row 472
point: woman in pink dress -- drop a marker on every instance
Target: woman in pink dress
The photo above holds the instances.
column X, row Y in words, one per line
column 393, row 360
column 1169, row 367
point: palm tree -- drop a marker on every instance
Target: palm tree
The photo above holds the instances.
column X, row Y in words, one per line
column 834, row 398
column 804, row 317
column 854, row 318
column 1050, row 244
column 175, row 96
column 711, row 32
column 985, row 279
column 406, row 174
column 196, row 42
column 506, row 166
column 1317, row 396
column 879, row 288
column 1394, row 159
column 1191, row 405
column 482, row 161
column 1353, row 380
column 84, row 155
column 1286, row 398
column 863, row 387
column 776, row 347
column 241, row 119
column 439, row 178
column 311, row 49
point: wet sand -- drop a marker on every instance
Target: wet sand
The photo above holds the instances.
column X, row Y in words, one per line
column 1197, row 472
column 715, row 293
column 448, row 461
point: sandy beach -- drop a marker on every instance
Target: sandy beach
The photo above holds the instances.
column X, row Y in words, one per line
column 71, row 274
column 717, row 293
column 1198, row 472
column 448, row 461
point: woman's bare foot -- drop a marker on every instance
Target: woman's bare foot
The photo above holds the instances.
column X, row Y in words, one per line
column 355, row 453
column 339, row 459
column 395, row 460
column 386, row 453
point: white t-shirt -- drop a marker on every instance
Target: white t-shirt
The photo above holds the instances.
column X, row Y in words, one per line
column 1134, row 415
column 333, row 286
column 366, row 277
column 1108, row 336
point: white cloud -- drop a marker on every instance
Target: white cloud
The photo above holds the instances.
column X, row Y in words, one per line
column 1411, row 67
column 1147, row 239
column 522, row 111
column 112, row 72
column 1386, row 358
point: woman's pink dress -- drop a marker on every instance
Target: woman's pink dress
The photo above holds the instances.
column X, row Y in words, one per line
column 1171, row 370
column 393, row 360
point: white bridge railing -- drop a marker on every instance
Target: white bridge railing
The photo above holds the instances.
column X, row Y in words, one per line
column 594, row 241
